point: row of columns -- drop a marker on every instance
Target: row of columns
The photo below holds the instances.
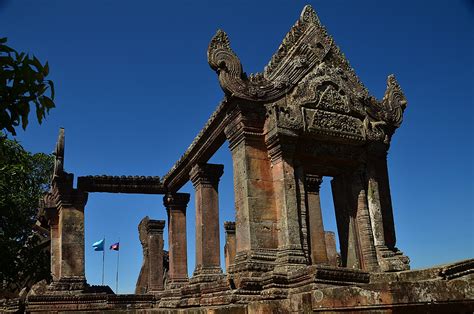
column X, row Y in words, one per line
column 205, row 179
column 355, row 229
column 268, row 219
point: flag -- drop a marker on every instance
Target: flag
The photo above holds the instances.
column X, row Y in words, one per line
column 99, row 245
column 115, row 246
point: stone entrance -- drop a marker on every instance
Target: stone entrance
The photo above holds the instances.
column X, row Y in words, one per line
column 305, row 118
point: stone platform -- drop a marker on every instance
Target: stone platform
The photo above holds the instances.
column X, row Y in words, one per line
column 446, row 289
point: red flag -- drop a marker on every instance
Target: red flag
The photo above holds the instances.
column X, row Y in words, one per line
column 115, row 246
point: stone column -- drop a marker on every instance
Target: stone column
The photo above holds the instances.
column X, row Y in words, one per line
column 141, row 287
column 364, row 226
column 229, row 248
column 155, row 254
column 52, row 215
column 345, row 218
column 315, row 217
column 330, row 239
column 381, row 212
column 256, row 217
column 55, row 247
column 281, row 150
column 70, row 203
column 176, row 204
column 205, row 179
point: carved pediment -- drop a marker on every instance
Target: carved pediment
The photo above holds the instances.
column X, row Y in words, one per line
column 328, row 88
column 309, row 86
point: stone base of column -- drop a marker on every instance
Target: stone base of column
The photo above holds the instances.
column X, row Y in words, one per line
column 248, row 267
column 254, row 261
column 69, row 284
column 177, row 283
column 391, row 260
column 206, row 274
column 289, row 259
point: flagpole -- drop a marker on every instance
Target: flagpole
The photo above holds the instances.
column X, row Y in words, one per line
column 117, row 275
column 103, row 262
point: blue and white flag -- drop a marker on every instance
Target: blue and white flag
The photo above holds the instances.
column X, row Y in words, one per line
column 99, row 245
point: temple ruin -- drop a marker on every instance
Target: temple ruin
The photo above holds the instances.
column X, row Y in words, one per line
column 305, row 117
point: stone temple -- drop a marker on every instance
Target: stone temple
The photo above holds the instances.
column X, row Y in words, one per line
column 305, row 117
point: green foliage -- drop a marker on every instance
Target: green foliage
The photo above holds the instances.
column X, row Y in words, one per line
column 22, row 84
column 24, row 177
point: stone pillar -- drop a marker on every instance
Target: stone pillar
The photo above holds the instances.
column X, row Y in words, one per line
column 176, row 204
column 281, row 150
column 55, row 247
column 330, row 239
column 151, row 274
column 68, row 245
column 52, row 215
column 381, row 212
column 141, row 287
column 256, row 217
column 315, row 217
column 364, row 226
column 155, row 247
column 345, row 218
column 229, row 248
column 205, row 179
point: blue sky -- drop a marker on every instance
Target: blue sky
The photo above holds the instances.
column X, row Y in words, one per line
column 134, row 88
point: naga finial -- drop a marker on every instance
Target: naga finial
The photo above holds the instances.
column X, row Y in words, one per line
column 394, row 102
column 59, row 155
column 221, row 57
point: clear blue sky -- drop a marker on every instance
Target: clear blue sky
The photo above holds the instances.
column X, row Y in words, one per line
column 134, row 88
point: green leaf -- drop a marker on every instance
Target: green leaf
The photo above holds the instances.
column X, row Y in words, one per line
column 5, row 48
column 47, row 102
column 51, row 85
column 39, row 112
column 46, row 69
column 37, row 64
column 24, row 121
column 22, row 83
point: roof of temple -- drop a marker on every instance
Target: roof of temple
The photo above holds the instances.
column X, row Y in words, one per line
column 306, row 59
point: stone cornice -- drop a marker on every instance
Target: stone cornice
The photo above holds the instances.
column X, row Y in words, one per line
column 229, row 226
column 155, row 226
column 312, row 183
column 121, row 184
